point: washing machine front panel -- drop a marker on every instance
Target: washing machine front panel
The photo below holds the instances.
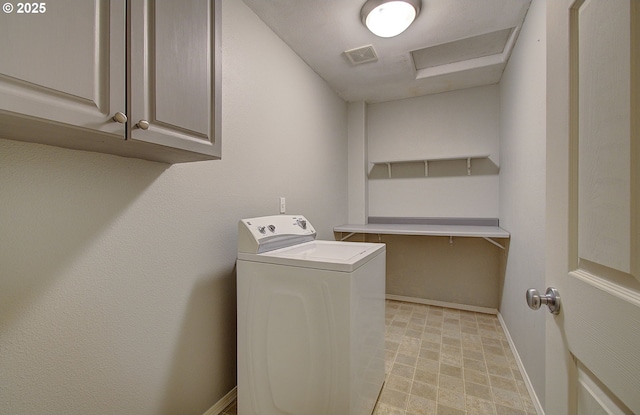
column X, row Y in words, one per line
column 292, row 335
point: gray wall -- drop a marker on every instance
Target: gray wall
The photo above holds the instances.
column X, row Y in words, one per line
column 522, row 189
column 452, row 124
column 117, row 288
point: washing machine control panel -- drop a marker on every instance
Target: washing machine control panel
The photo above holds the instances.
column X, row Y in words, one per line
column 266, row 233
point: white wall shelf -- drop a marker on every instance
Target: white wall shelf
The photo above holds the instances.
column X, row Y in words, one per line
column 433, row 167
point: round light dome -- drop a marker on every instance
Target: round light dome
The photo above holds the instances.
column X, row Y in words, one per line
column 389, row 18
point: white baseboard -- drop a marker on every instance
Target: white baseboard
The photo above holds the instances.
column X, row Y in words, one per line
column 446, row 304
column 527, row 381
column 226, row 400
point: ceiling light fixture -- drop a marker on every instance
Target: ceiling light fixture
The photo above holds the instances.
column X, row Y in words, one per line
column 388, row 18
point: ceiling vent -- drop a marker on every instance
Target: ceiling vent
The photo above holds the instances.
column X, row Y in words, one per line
column 361, row 55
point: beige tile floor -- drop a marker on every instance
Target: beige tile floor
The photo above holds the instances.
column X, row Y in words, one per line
column 444, row 361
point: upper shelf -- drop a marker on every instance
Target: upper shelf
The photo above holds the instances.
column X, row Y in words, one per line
column 433, row 167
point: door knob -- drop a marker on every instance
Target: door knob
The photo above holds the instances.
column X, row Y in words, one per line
column 551, row 299
column 143, row 125
column 120, row 117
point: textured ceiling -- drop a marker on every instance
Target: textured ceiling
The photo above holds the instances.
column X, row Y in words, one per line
column 462, row 44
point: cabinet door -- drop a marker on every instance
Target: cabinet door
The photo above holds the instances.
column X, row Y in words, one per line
column 65, row 63
column 175, row 74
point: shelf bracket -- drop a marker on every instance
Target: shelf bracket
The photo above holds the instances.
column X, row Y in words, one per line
column 389, row 169
column 494, row 243
column 426, row 168
column 468, row 166
column 347, row 237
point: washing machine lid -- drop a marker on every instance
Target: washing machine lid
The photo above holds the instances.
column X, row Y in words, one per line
column 326, row 255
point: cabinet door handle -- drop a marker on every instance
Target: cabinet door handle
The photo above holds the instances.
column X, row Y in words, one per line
column 120, row 117
column 143, row 125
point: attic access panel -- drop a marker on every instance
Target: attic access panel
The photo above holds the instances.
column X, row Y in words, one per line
column 488, row 44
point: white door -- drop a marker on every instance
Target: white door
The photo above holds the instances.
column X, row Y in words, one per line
column 593, row 206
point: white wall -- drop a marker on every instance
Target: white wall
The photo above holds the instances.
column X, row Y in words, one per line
column 117, row 288
column 452, row 124
column 522, row 189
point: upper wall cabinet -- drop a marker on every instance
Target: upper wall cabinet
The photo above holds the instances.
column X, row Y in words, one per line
column 137, row 79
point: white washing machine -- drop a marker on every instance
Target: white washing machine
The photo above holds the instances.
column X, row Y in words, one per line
column 310, row 320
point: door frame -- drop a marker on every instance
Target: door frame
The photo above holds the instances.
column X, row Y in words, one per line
column 559, row 365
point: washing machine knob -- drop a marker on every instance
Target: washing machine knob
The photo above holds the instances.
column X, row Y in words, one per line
column 261, row 229
column 302, row 223
column 272, row 228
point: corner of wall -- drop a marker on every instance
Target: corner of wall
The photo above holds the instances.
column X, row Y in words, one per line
column 357, row 186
